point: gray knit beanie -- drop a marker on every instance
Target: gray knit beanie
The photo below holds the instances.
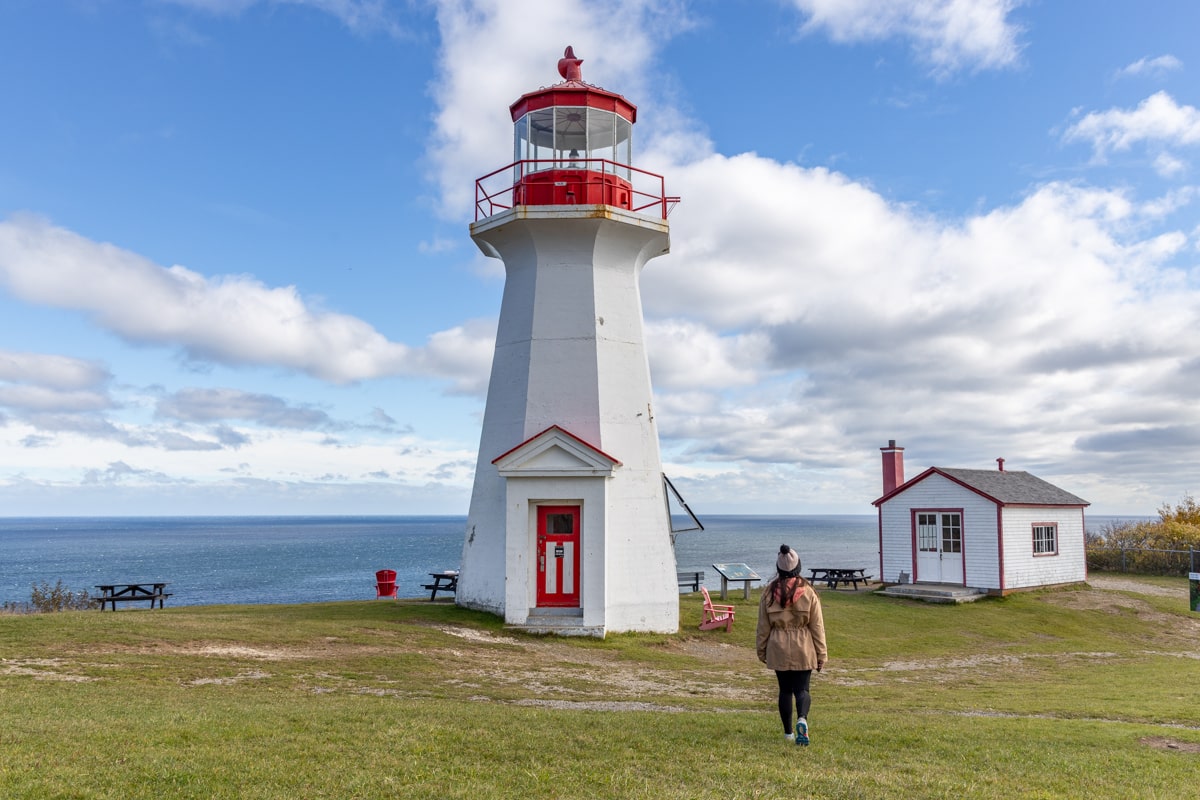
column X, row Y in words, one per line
column 788, row 561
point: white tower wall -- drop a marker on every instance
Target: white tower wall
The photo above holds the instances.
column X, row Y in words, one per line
column 570, row 352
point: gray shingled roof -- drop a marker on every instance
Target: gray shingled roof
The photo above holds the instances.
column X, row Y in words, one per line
column 1014, row 487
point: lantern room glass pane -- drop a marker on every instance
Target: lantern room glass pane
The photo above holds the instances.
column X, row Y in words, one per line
column 571, row 134
column 520, row 138
column 520, row 145
column 623, row 149
column 566, row 136
column 539, row 138
column 602, row 135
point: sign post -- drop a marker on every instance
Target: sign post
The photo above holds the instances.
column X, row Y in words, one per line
column 1194, row 582
column 731, row 573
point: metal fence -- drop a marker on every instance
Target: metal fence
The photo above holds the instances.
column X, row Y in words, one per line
column 1144, row 560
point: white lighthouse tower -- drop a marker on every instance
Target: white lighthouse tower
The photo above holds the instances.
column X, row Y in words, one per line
column 569, row 528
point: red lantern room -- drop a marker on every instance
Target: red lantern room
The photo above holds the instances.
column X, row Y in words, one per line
column 573, row 145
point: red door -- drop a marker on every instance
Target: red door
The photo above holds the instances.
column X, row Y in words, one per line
column 558, row 556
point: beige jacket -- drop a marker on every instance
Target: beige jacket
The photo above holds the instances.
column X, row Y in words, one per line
column 791, row 637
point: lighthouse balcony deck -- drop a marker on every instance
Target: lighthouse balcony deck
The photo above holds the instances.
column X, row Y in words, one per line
column 581, row 181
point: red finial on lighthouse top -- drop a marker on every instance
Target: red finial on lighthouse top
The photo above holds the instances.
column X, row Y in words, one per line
column 568, row 65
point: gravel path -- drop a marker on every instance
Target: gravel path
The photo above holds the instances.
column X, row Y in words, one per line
column 1127, row 585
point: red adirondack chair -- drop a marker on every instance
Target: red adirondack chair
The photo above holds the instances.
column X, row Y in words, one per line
column 715, row 616
column 385, row 583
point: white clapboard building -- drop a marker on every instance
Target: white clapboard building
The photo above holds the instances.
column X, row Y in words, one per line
column 994, row 530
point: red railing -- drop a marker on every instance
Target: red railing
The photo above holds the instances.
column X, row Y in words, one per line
column 500, row 190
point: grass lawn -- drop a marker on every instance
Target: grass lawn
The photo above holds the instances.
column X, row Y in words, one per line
column 1089, row 692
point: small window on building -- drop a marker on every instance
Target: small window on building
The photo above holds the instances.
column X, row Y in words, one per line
column 951, row 533
column 927, row 532
column 1045, row 539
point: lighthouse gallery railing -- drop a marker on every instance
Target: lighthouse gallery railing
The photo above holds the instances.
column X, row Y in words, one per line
column 497, row 191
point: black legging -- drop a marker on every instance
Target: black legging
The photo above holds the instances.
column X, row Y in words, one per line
column 793, row 683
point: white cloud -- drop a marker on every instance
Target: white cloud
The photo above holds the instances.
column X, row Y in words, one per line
column 1169, row 203
column 40, row 383
column 51, row 371
column 688, row 355
column 216, row 405
column 39, row 399
column 1158, row 120
column 463, row 354
column 233, row 320
column 480, row 63
column 1028, row 329
column 949, row 35
column 1168, row 166
column 1157, row 66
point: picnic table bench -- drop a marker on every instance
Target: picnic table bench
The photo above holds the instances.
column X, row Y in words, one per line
column 832, row 576
column 445, row 581
column 113, row 593
column 690, row 578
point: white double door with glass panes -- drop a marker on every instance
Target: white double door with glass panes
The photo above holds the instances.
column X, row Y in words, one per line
column 939, row 547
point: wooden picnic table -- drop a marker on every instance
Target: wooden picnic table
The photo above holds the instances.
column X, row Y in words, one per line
column 832, row 576
column 445, row 581
column 113, row 593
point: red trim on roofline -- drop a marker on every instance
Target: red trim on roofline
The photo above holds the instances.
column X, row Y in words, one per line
column 573, row 93
column 563, row 431
column 934, row 470
column 904, row 486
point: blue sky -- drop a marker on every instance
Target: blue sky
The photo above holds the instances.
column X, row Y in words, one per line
column 236, row 276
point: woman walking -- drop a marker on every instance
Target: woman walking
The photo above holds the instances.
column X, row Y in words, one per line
column 791, row 639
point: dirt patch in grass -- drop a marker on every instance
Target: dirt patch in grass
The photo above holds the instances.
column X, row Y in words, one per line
column 470, row 634
column 231, row 679
column 553, row 669
column 1116, row 584
column 1103, row 601
column 42, row 669
column 1164, row 743
column 317, row 650
column 571, row 705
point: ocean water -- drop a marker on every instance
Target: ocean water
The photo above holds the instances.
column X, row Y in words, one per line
column 212, row 560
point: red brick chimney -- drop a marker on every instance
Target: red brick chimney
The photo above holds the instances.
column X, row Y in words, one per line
column 1000, row 461
column 893, row 466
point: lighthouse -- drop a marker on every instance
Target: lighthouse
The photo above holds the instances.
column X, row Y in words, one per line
column 569, row 526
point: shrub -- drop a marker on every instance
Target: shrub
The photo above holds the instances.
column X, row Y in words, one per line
column 47, row 598
column 1157, row 548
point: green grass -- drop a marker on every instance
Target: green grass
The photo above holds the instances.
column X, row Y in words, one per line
column 1038, row 695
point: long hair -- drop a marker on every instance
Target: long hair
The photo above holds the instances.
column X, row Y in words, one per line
column 788, row 585
column 786, row 588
